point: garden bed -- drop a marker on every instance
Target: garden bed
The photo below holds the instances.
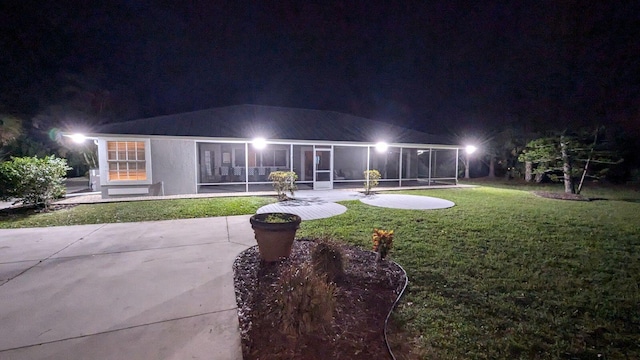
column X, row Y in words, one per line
column 364, row 297
column 561, row 196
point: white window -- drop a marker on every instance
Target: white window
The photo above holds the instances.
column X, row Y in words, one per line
column 125, row 161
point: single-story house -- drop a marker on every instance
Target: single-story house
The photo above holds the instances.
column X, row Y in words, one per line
column 217, row 150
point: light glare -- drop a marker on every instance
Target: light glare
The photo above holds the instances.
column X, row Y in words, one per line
column 381, row 147
column 78, row 138
column 259, row 143
column 471, row 149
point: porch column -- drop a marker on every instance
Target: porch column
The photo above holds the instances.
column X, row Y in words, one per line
column 457, row 156
column 430, row 153
column 246, row 167
column 400, row 170
column 368, row 160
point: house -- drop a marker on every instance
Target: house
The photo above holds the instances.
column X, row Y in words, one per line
column 234, row 148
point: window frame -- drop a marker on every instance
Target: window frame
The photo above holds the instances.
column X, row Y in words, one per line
column 104, row 161
column 263, row 156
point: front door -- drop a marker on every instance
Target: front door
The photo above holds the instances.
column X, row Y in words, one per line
column 323, row 169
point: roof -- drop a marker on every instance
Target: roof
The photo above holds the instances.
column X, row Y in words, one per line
column 271, row 122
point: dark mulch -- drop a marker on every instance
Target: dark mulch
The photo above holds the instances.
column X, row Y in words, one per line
column 561, row 196
column 22, row 211
column 364, row 298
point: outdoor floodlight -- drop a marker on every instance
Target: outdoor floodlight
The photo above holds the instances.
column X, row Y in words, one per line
column 259, row 143
column 470, row 149
column 78, row 138
column 381, row 147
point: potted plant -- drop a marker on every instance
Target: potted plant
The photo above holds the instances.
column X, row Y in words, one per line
column 274, row 233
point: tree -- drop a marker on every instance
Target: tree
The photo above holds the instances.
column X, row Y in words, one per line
column 372, row 177
column 32, row 180
column 502, row 149
column 569, row 155
column 283, row 182
column 10, row 130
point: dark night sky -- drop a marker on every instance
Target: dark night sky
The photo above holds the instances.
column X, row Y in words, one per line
column 433, row 65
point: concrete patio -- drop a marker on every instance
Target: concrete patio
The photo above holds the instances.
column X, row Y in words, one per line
column 149, row 290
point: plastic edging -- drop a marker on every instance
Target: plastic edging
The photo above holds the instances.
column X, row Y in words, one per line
column 395, row 303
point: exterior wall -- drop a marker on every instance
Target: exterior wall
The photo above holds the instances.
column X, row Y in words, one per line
column 174, row 164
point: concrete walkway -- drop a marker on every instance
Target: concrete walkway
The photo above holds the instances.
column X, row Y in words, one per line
column 148, row 290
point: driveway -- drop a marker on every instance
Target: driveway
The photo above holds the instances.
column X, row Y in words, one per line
column 149, row 290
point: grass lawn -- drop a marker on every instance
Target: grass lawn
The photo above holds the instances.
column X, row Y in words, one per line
column 502, row 275
column 138, row 211
column 505, row 274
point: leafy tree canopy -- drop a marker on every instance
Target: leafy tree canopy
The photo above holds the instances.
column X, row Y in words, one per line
column 571, row 155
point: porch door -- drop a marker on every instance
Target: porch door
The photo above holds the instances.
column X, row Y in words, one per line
column 323, row 169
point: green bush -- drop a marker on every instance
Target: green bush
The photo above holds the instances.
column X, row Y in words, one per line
column 303, row 301
column 283, row 182
column 373, row 176
column 32, row 180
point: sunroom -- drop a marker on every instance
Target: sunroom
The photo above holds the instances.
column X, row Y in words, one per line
column 243, row 166
column 234, row 149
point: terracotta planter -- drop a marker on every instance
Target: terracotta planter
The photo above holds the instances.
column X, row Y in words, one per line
column 275, row 238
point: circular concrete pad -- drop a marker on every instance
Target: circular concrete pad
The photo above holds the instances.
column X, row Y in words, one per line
column 409, row 202
column 307, row 210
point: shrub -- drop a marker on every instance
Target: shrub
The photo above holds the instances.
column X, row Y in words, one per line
column 303, row 301
column 283, row 182
column 33, row 180
column 327, row 260
column 373, row 176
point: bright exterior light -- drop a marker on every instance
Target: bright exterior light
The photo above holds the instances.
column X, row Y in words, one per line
column 381, row 147
column 78, row 138
column 259, row 143
column 470, row 149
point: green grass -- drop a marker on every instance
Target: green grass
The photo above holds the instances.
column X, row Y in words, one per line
column 138, row 211
column 502, row 275
column 506, row 275
column 590, row 189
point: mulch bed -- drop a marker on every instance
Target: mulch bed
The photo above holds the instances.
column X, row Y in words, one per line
column 364, row 298
column 31, row 210
column 561, row 196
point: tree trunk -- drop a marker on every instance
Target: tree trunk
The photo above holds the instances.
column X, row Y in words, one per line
column 566, row 167
column 540, row 175
column 528, row 171
column 492, row 167
column 586, row 166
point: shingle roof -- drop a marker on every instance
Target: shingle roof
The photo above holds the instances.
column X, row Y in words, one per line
column 249, row 121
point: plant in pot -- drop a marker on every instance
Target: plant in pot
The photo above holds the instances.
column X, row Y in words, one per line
column 274, row 233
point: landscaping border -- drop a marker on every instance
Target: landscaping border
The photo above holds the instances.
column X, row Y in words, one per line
column 393, row 306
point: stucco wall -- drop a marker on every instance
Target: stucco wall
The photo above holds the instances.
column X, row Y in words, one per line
column 174, row 163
